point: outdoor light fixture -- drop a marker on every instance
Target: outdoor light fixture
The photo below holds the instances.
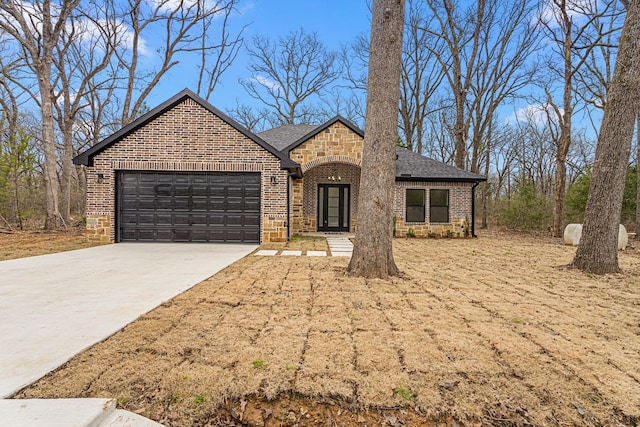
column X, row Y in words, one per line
column 273, row 180
column 99, row 177
column 332, row 177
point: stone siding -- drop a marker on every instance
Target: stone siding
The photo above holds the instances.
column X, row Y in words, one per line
column 190, row 138
column 336, row 151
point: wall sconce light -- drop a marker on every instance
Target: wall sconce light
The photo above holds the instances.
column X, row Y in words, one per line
column 274, row 180
column 99, row 177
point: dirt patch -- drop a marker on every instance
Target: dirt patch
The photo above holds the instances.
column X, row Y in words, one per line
column 21, row 244
column 491, row 331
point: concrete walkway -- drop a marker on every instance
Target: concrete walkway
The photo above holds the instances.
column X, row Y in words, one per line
column 54, row 306
column 69, row 413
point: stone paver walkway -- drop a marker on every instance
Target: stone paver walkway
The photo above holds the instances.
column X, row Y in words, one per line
column 338, row 246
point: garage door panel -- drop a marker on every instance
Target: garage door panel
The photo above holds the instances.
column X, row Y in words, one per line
column 182, row 190
column 189, row 207
column 218, row 192
column 235, row 191
column 164, row 219
column 181, row 204
column 235, row 220
column 216, row 219
column 199, row 219
column 200, row 190
column 252, row 220
column 251, row 205
column 199, row 204
column 234, row 205
column 252, row 192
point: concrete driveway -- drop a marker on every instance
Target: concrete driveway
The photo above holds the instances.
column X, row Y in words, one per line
column 54, row 306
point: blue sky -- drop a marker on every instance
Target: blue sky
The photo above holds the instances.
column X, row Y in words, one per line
column 337, row 22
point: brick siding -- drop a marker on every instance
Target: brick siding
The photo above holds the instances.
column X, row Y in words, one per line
column 187, row 137
column 459, row 209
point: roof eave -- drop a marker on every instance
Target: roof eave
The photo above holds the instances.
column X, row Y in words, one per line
column 440, row 179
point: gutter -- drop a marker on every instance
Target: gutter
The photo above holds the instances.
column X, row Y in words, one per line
column 473, row 209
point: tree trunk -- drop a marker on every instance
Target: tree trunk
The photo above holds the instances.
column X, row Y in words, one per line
column 372, row 252
column 48, row 143
column 566, row 125
column 638, row 186
column 485, row 187
column 65, row 177
column 598, row 249
column 558, row 201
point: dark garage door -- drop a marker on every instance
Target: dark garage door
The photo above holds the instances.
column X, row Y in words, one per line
column 189, row 207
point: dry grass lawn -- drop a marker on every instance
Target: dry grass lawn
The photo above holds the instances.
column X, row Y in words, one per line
column 21, row 244
column 492, row 331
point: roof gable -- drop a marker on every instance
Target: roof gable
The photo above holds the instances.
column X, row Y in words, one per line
column 86, row 157
column 322, row 127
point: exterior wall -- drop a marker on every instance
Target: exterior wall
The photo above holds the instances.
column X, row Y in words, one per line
column 459, row 209
column 186, row 138
column 337, row 151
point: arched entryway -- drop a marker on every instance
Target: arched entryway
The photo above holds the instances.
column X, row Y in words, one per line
column 330, row 198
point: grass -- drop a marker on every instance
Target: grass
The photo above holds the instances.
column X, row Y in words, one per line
column 477, row 339
column 21, row 244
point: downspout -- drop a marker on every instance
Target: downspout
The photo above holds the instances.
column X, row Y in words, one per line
column 289, row 178
column 473, row 209
column 292, row 174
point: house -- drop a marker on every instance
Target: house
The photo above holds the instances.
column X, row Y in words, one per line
column 186, row 172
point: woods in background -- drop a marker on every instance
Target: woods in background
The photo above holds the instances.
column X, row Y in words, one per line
column 511, row 90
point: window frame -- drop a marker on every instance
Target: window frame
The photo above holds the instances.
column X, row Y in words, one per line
column 407, row 206
column 432, row 206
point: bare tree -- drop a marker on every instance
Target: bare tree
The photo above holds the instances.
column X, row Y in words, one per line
column 461, row 33
column 487, row 46
column 254, row 119
column 85, row 49
column 288, row 73
column 420, row 78
column 598, row 249
column 217, row 54
column 570, row 27
column 178, row 28
column 372, row 252
column 37, row 28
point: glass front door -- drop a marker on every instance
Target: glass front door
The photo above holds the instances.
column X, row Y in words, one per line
column 333, row 207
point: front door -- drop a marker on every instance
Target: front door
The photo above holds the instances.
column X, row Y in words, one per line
column 333, row 207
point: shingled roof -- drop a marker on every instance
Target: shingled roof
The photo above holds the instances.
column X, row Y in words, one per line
column 410, row 166
column 283, row 136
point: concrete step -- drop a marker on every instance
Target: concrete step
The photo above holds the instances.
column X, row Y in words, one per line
column 68, row 413
column 121, row 418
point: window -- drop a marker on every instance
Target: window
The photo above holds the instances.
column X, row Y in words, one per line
column 415, row 205
column 439, row 205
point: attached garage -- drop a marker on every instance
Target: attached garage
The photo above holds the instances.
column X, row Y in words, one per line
column 189, row 207
column 186, row 172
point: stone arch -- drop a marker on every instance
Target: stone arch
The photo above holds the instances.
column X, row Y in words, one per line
column 331, row 159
